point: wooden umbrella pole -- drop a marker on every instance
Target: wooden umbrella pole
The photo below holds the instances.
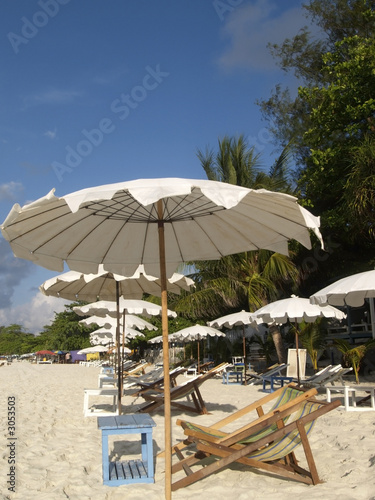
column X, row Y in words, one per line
column 244, row 352
column 297, row 355
column 167, row 394
column 123, row 349
column 118, row 345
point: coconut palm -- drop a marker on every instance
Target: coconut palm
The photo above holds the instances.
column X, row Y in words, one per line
column 313, row 338
column 354, row 354
column 250, row 279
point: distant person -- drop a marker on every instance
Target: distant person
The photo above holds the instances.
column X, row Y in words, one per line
column 67, row 357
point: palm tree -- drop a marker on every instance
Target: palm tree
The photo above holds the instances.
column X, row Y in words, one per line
column 354, row 355
column 250, row 279
column 313, row 339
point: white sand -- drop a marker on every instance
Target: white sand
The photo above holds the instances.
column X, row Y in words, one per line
column 58, row 451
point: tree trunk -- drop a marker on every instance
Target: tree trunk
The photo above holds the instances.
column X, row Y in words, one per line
column 279, row 344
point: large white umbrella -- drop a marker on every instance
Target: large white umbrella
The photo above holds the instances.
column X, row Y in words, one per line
column 195, row 333
column 93, row 349
column 350, row 291
column 295, row 309
column 103, row 285
column 121, row 306
column 110, row 333
column 240, row 318
column 74, row 285
column 131, row 321
column 103, row 308
column 159, row 223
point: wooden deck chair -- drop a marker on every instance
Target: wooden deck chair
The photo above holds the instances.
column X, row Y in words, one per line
column 158, row 382
column 189, row 389
column 333, row 375
column 268, row 445
column 151, row 376
column 261, row 378
column 257, row 411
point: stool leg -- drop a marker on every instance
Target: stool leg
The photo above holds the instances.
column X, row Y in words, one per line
column 105, row 456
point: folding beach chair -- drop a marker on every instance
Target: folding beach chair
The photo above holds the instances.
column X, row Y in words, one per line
column 190, row 389
column 267, row 443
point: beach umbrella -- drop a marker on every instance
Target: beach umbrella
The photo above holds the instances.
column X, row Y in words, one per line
column 159, row 223
column 241, row 318
column 295, row 309
column 43, row 353
column 131, row 321
column 110, row 333
column 93, row 349
column 195, row 333
column 350, row 291
column 104, row 285
column 103, row 308
column 121, row 306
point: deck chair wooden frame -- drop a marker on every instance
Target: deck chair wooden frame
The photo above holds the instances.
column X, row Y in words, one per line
column 259, row 410
column 330, row 376
column 158, row 383
column 270, row 451
column 259, row 378
column 189, row 389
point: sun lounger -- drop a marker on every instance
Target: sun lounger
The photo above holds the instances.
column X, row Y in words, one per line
column 264, row 377
column 279, row 400
column 267, row 443
column 189, row 389
column 158, row 383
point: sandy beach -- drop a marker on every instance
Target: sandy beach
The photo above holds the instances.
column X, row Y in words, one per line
column 57, row 452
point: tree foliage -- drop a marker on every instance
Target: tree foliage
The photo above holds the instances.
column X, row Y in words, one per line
column 331, row 124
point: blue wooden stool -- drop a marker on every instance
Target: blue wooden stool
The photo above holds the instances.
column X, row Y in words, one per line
column 233, row 377
column 128, row 471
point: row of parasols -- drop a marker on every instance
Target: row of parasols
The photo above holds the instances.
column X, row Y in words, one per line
column 73, row 285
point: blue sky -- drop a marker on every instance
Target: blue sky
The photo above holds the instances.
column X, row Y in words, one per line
column 96, row 92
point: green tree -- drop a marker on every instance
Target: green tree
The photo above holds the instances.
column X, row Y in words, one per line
column 14, row 340
column 331, row 122
column 65, row 332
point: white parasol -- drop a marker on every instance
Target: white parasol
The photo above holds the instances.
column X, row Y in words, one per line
column 350, row 291
column 159, row 223
column 241, row 318
column 295, row 309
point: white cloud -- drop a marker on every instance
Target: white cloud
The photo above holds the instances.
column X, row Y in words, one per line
column 33, row 316
column 10, row 191
column 251, row 27
column 51, row 133
column 51, row 96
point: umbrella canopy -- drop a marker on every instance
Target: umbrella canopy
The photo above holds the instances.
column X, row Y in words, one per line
column 103, row 285
column 236, row 319
column 117, row 225
column 159, row 223
column 195, row 333
column 240, row 318
column 42, row 353
column 350, row 291
column 93, row 349
column 130, row 333
column 131, row 321
column 109, row 308
column 296, row 310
